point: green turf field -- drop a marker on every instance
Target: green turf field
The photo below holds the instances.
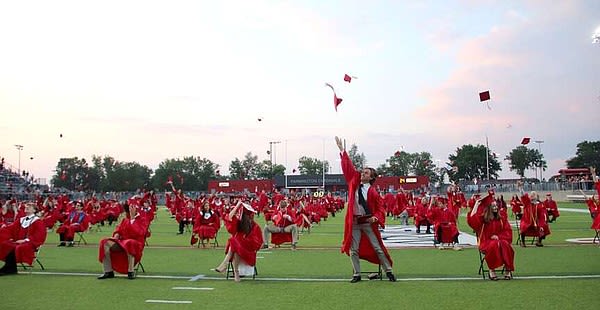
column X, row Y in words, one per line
column 313, row 277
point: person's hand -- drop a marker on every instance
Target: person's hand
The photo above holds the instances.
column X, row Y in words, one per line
column 20, row 241
column 338, row 141
column 494, row 237
column 373, row 219
column 117, row 236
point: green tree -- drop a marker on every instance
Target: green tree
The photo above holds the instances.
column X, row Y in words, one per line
column 358, row 159
column 471, row 163
column 587, row 155
column 310, row 166
column 247, row 168
column 403, row 163
column 397, row 165
column 264, row 170
column 189, row 174
column 522, row 158
column 73, row 174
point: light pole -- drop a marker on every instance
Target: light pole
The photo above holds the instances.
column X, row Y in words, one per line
column 539, row 143
column 271, row 154
column 20, row 148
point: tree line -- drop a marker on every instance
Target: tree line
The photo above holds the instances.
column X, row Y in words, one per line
column 189, row 173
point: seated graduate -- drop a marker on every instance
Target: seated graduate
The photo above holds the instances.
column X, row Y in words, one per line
column 77, row 221
column 444, row 223
column 246, row 239
column 551, row 208
column 123, row 251
column 284, row 221
column 206, row 224
column 535, row 219
column 20, row 240
column 495, row 236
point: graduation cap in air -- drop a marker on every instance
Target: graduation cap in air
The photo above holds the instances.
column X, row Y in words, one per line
column 348, row 78
column 525, row 140
column 336, row 100
column 485, row 96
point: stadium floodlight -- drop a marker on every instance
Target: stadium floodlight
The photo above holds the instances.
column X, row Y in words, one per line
column 596, row 36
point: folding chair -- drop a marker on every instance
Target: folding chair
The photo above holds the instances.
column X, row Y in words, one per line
column 372, row 275
column 80, row 238
column 277, row 239
column 231, row 274
column 215, row 242
column 138, row 266
column 37, row 255
column 482, row 269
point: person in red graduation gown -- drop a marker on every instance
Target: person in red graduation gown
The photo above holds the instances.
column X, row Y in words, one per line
column 366, row 213
column 534, row 221
column 246, row 239
column 551, row 208
column 495, row 236
column 77, row 221
column 206, row 224
column 20, row 240
column 124, row 249
column 444, row 222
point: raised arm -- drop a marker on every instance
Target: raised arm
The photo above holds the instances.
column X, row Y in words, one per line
column 594, row 176
column 475, row 207
column 234, row 210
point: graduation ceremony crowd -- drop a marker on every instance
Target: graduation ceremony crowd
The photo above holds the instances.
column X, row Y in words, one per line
column 24, row 225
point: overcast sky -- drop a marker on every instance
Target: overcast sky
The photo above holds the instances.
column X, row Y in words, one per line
column 149, row 80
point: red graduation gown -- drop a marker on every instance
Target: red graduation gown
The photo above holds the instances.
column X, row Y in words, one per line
column 24, row 252
column 365, row 249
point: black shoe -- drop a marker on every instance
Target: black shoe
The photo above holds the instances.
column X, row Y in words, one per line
column 130, row 275
column 428, row 232
column 265, row 246
column 180, row 233
column 61, row 244
column 107, row 275
column 418, row 231
column 373, row 276
column 5, row 272
column 391, row 276
column 355, row 279
column 70, row 244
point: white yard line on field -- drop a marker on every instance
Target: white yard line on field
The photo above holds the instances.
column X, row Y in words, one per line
column 198, row 277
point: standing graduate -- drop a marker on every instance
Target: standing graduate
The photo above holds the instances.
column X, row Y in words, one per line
column 365, row 215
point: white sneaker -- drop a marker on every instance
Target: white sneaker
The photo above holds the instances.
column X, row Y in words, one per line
column 457, row 248
column 441, row 247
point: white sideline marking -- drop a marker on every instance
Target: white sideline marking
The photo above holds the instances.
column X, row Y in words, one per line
column 169, row 301
column 197, row 277
column 260, row 257
column 582, row 240
column 574, row 210
column 193, row 288
column 585, row 276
